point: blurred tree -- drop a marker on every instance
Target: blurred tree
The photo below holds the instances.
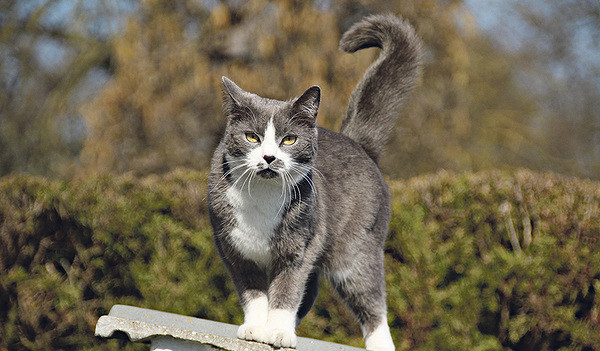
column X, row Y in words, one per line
column 52, row 57
column 158, row 109
column 161, row 107
column 565, row 77
column 556, row 46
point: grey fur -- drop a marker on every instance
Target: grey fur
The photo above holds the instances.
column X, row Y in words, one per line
column 334, row 216
column 375, row 102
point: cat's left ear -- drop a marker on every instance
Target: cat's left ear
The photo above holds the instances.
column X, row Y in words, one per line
column 232, row 95
column 308, row 103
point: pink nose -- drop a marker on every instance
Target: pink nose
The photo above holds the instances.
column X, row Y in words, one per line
column 269, row 158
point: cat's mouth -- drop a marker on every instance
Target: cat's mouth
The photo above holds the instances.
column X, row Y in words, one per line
column 268, row 173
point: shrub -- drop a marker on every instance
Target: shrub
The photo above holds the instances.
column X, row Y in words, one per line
column 69, row 251
column 495, row 261
column 485, row 261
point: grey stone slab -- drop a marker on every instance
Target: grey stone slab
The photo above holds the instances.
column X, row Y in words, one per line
column 167, row 343
column 141, row 324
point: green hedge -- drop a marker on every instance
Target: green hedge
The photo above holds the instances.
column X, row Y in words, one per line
column 460, row 282
column 486, row 261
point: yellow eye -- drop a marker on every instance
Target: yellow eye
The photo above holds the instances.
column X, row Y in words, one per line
column 289, row 140
column 252, row 137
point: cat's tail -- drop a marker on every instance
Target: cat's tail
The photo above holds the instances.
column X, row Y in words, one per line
column 375, row 103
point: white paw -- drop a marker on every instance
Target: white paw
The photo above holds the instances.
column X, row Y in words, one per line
column 281, row 337
column 380, row 339
column 281, row 328
column 384, row 347
column 255, row 319
column 254, row 332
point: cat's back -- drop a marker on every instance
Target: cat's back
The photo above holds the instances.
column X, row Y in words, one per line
column 338, row 153
column 345, row 169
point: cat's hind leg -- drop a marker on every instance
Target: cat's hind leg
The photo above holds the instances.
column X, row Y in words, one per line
column 311, row 292
column 362, row 288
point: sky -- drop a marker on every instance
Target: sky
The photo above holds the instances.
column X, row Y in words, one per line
column 500, row 19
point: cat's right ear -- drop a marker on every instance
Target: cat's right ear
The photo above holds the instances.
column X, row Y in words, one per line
column 307, row 105
column 231, row 95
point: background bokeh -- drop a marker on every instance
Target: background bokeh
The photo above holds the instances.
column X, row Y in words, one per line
column 118, row 86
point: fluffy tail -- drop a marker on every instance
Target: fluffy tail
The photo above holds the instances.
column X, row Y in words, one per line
column 376, row 100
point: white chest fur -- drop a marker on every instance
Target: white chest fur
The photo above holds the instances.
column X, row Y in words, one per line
column 259, row 206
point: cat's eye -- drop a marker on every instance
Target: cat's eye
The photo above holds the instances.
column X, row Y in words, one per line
column 252, row 137
column 289, row 140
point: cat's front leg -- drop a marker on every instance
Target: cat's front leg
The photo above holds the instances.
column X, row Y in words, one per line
column 256, row 309
column 275, row 326
column 251, row 283
column 280, row 329
column 289, row 277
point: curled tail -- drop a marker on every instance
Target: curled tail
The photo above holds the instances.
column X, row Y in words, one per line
column 376, row 100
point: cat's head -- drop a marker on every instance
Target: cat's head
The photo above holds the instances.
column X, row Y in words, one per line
column 270, row 138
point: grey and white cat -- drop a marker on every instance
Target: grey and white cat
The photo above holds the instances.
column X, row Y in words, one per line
column 290, row 201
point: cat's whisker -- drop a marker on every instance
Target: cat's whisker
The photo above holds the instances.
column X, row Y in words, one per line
column 224, row 176
column 308, row 168
column 251, row 178
column 248, row 175
column 230, row 172
column 293, row 189
column 290, row 182
column 242, row 177
column 283, row 187
column 286, row 192
column 251, row 175
column 282, row 196
column 247, row 181
column 304, row 172
column 297, row 188
column 241, row 164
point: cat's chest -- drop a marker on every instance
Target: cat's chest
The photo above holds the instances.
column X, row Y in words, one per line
column 257, row 213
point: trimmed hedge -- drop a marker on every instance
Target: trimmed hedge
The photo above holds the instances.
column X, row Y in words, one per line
column 69, row 251
column 485, row 261
column 495, row 261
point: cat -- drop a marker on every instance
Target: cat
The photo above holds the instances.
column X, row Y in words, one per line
column 290, row 201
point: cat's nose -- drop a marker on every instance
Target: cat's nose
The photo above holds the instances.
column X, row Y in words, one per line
column 269, row 158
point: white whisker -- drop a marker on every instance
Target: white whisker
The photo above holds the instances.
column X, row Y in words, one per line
column 248, row 180
column 288, row 186
column 241, row 177
column 252, row 175
column 230, row 171
column 303, row 172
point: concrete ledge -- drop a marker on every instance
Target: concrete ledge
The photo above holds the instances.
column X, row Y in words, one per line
column 169, row 331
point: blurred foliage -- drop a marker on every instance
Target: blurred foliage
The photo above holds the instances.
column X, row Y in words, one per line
column 495, row 261
column 162, row 107
column 555, row 47
column 134, row 86
column 570, row 102
column 53, row 57
column 484, row 261
column 69, row 251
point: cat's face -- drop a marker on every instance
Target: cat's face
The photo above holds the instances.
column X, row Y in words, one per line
column 267, row 138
